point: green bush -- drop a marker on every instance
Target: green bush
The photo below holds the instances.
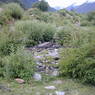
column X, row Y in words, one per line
column 39, row 15
column 4, row 17
column 73, row 36
column 63, row 37
column 36, row 31
column 79, row 63
column 10, row 11
column 9, row 41
column 67, row 35
column 19, row 65
column 14, row 10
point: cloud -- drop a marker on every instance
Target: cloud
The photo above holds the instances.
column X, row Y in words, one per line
column 65, row 3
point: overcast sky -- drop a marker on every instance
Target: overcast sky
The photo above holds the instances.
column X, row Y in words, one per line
column 66, row 3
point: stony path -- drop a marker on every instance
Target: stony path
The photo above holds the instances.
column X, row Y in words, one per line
column 46, row 56
column 47, row 61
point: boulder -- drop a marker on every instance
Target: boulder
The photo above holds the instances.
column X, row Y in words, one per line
column 45, row 45
column 50, row 87
column 20, row 81
column 37, row 77
column 55, row 73
column 60, row 93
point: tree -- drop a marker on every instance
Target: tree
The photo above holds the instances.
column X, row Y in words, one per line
column 42, row 5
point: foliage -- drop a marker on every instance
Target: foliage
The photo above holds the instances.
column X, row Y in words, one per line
column 79, row 63
column 71, row 35
column 15, row 10
column 35, row 31
column 42, row 5
column 88, row 19
column 19, row 65
column 10, row 40
column 10, row 11
column 38, row 15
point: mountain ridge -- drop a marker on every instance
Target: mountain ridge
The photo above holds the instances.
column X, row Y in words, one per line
column 83, row 8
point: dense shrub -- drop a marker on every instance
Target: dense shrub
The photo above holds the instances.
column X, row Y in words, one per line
column 42, row 5
column 14, row 10
column 71, row 35
column 4, row 17
column 10, row 11
column 9, row 41
column 19, row 65
column 63, row 37
column 79, row 63
column 88, row 19
column 39, row 15
column 36, row 31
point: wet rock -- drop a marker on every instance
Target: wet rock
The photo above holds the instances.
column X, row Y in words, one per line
column 4, row 88
column 45, row 45
column 50, row 87
column 20, row 81
column 55, row 73
column 37, row 77
column 41, row 68
column 39, row 63
column 56, row 46
column 60, row 93
column 54, row 53
column 38, row 57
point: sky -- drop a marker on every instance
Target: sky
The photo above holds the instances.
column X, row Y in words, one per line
column 66, row 3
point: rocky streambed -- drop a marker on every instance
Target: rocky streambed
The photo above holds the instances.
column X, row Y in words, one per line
column 46, row 56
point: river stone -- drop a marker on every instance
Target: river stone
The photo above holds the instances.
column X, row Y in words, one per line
column 37, row 77
column 50, row 87
column 45, row 45
column 55, row 73
column 60, row 93
column 54, row 53
column 20, row 81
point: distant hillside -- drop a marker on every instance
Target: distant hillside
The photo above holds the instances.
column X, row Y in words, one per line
column 84, row 8
column 71, row 7
column 24, row 3
column 28, row 3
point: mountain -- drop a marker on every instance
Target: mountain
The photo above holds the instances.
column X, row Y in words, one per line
column 24, row 3
column 28, row 3
column 71, row 7
column 50, row 9
column 84, row 8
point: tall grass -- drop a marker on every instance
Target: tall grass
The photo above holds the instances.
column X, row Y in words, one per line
column 36, row 31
